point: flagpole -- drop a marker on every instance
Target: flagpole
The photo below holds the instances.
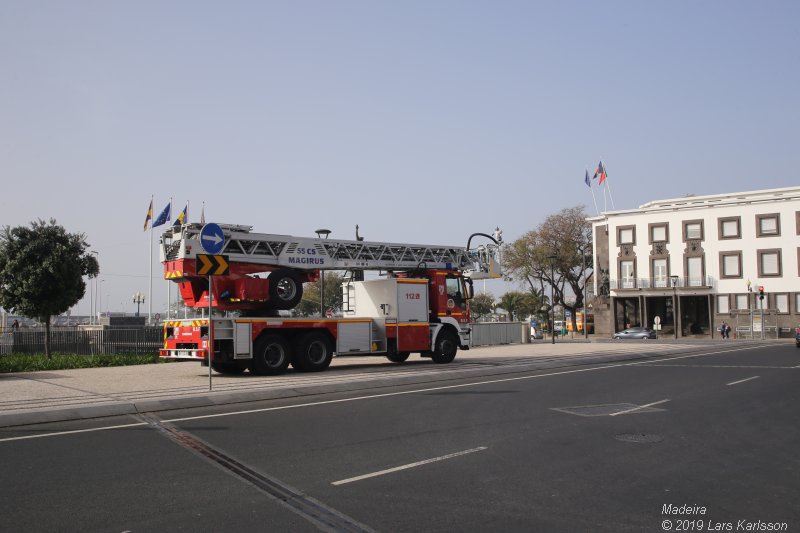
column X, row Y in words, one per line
column 150, row 295
column 609, row 194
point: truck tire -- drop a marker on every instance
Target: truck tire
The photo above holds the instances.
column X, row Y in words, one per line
column 446, row 346
column 271, row 355
column 314, row 352
column 285, row 289
column 230, row 368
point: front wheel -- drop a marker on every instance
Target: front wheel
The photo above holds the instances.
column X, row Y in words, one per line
column 446, row 347
column 231, row 368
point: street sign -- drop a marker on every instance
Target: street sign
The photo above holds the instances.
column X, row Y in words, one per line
column 212, row 265
column 657, row 320
column 212, row 239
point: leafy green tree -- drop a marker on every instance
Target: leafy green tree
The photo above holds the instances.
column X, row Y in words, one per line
column 519, row 304
column 42, row 269
column 556, row 254
column 309, row 305
column 482, row 305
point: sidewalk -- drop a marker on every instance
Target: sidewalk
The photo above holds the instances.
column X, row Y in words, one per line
column 50, row 396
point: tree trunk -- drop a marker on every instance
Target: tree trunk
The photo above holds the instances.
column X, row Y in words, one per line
column 47, row 337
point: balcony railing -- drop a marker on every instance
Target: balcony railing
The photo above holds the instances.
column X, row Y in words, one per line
column 660, row 283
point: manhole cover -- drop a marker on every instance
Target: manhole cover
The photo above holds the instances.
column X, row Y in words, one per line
column 639, row 438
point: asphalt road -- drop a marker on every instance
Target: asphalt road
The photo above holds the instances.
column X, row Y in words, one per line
column 682, row 443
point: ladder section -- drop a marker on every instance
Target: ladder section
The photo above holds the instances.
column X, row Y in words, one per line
column 313, row 253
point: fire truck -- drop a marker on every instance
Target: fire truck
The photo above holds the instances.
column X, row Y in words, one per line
column 419, row 303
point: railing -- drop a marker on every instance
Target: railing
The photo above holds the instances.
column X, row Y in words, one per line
column 493, row 333
column 84, row 341
column 660, row 283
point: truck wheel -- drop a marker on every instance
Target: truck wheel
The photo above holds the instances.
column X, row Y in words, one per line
column 398, row 357
column 314, row 352
column 446, row 346
column 270, row 355
column 285, row 289
column 231, row 368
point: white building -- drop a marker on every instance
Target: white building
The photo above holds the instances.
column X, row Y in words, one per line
column 704, row 255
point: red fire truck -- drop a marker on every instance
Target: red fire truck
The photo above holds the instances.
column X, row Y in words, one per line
column 420, row 304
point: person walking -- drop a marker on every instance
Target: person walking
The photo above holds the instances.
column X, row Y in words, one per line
column 725, row 329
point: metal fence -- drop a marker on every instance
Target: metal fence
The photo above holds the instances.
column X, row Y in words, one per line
column 84, row 341
column 491, row 333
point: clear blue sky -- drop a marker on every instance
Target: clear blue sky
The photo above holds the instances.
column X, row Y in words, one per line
column 421, row 121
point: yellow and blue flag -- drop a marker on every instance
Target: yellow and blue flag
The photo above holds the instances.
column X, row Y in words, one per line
column 181, row 219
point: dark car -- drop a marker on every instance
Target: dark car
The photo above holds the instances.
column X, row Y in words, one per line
column 635, row 333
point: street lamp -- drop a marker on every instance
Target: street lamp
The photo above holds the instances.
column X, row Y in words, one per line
column 138, row 299
column 320, row 233
column 675, row 314
column 552, row 259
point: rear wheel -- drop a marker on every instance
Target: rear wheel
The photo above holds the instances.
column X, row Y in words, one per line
column 314, row 352
column 285, row 289
column 270, row 356
column 446, row 346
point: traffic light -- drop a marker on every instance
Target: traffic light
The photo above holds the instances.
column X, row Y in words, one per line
column 760, row 292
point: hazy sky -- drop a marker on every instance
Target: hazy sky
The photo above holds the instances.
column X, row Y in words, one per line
column 420, row 121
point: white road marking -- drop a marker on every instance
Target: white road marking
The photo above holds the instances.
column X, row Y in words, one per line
column 57, row 433
column 640, row 407
column 742, row 381
column 410, row 465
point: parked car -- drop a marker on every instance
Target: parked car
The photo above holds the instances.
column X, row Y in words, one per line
column 636, row 333
column 536, row 333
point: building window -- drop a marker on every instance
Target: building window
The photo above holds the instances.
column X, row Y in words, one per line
column 782, row 302
column 658, row 233
column 626, row 235
column 768, row 225
column 627, row 276
column 660, row 275
column 742, row 301
column 692, row 230
column 730, row 228
column 730, row 264
column 769, row 263
column 694, row 271
column 797, row 302
column 723, row 304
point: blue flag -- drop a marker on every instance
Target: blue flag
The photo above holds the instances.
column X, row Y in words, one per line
column 164, row 216
column 586, row 180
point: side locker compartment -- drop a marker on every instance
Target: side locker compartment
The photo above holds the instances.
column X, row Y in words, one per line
column 243, row 341
column 354, row 337
column 413, row 333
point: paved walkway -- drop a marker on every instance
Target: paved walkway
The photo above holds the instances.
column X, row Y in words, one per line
column 47, row 396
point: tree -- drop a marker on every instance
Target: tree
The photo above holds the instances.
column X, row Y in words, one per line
column 557, row 253
column 482, row 305
column 309, row 305
column 520, row 304
column 42, row 269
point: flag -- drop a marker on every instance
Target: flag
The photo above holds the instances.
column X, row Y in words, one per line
column 149, row 214
column 586, row 180
column 164, row 216
column 181, row 219
column 601, row 171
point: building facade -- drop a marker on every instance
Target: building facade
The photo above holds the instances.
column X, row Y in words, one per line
column 691, row 263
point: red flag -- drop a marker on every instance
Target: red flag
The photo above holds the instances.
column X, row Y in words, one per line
column 601, row 171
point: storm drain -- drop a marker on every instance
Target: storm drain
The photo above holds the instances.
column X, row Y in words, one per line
column 608, row 409
column 639, row 438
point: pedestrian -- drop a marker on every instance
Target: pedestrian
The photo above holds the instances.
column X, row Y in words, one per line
column 723, row 329
column 727, row 331
column 15, row 325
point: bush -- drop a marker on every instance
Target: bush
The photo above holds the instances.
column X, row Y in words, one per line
column 35, row 362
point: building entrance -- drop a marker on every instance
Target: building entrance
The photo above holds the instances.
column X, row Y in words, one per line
column 694, row 314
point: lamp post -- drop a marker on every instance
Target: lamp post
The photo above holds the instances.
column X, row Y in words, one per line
column 552, row 259
column 320, row 233
column 138, row 299
column 675, row 314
